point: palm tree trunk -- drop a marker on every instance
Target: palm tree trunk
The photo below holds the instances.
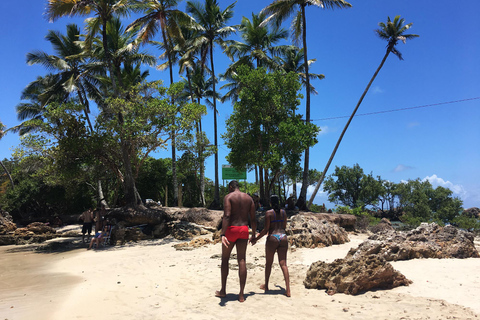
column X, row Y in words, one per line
column 8, row 174
column 322, row 176
column 216, row 199
column 303, row 192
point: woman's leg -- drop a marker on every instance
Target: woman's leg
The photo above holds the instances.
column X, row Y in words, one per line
column 282, row 260
column 270, row 248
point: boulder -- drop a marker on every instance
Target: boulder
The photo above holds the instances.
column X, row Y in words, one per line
column 193, row 244
column 200, row 216
column 307, row 230
column 354, row 276
column 6, row 223
column 472, row 212
column 382, row 226
column 182, row 230
column 426, row 241
column 40, row 228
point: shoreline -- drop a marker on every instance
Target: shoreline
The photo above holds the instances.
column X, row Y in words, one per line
column 152, row 280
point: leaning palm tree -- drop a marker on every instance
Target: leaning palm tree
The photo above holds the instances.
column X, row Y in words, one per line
column 2, row 133
column 279, row 11
column 212, row 28
column 392, row 32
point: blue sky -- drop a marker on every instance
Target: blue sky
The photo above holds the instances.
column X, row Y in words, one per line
column 439, row 143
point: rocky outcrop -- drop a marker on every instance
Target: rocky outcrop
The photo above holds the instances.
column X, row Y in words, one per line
column 426, row 241
column 182, row 230
column 354, row 276
column 307, row 230
column 6, row 223
column 193, row 244
column 472, row 212
column 383, row 226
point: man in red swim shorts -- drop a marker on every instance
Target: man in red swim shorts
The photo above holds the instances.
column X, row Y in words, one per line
column 238, row 207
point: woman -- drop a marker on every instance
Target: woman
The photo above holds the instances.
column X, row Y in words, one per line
column 275, row 224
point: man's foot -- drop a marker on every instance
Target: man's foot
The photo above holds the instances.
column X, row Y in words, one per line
column 220, row 294
column 241, row 297
column 287, row 293
column 264, row 287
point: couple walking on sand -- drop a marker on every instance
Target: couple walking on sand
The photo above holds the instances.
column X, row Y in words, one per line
column 238, row 207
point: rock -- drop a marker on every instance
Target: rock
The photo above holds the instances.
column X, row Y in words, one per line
column 6, row 223
column 195, row 243
column 384, row 225
column 182, row 230
column 200, row 216
column 354, row 276
column 472, row 212
column 40, row 228
column 307, row 230
column 426, row 241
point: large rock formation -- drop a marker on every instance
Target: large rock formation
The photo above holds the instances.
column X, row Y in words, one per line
column 426, row 241
column 383, row 226
column 308, row 230
column 354, row 276
column 6, row 223
column 472, row 212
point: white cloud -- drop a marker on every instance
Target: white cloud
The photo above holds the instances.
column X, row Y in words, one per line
column 324, row 130
column 402, row 167
column 436, row 181
column 377, row 89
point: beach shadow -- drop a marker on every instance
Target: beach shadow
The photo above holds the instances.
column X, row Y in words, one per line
column 230, row 297
column 279, row 291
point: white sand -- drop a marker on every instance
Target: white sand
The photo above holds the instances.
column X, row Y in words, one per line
column 151, row 280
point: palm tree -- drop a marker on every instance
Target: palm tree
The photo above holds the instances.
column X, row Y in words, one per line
column 292, row 60
column 280, row 10
column 259, row 42
column 74, row 73
column 163, row 15
column 2, row 133
column 104, row 11
column 392, row 32
column 212, row 28
column 257, row 49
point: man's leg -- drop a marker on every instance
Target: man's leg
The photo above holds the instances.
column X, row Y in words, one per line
column 241, row 245
column 226, row 251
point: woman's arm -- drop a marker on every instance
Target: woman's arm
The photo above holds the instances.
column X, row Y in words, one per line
column 266, row 224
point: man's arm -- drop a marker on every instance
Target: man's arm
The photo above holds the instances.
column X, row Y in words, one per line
column 227, row 211
column 253, row 220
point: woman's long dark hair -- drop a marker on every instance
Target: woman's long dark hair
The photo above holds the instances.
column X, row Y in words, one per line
column 275, row 202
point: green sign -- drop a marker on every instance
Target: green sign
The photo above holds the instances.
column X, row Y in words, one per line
column 230, row 173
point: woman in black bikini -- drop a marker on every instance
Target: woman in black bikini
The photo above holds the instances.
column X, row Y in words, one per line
column 275, row 224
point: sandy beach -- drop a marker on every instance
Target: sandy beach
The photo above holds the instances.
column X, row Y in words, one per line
column 152, row 280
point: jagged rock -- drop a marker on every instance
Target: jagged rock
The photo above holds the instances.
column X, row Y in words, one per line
column 182, row 230
column 40, row 228
column 426, row 241
column 354, row 276
column 6, row 223
column 201, row 216
column 384, row 225
column 137, row 216
column 309, row 230
column 472, row 212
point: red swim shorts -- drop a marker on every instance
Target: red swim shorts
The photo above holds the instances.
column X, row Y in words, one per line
column 234, row 233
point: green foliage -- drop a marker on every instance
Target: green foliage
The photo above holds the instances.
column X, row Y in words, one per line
column 263, row 129
column 351, row 187
column 468, row 223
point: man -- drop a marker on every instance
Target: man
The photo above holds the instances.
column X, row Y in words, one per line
column 87, row 218
column 238, row 207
